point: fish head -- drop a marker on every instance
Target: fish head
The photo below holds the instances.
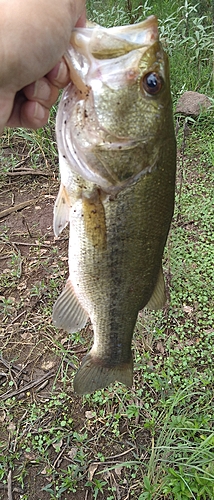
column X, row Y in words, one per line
column 120, row 105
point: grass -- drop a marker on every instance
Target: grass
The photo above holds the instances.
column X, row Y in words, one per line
column 156, row 440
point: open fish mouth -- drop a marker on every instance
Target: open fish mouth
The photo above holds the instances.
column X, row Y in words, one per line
column 108, row 43
column 103, row 60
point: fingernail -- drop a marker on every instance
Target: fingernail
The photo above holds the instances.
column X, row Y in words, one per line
column 62, row 74
column 39, row 112
column 42, row 90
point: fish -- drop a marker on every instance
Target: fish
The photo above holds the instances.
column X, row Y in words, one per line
column 117, row 157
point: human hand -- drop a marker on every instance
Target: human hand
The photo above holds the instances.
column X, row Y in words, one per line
column 28, row 54
column 31, row 105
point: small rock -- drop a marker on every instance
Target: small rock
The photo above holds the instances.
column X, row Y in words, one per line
column 90, row 414
column 191, row 103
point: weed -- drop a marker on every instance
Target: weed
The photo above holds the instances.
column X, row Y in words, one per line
column 97, row 487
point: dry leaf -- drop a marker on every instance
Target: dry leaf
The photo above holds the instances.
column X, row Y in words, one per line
column 118, row 470
column 44, row 472
column 92, row 469
column 30, row 456
column 72, row 452
column 26, row 336
column 58, row 445
column 160, row 347
column 3, row 416
column 11, row 427
column 47, row 365
column 187, row 309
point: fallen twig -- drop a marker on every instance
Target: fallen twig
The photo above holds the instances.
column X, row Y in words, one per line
column 6, row 256
column 114, row 457
column 22, row 162
column 34, row 383
column 16, row 208
column 21, row 243
column 42, row 386
column 29, row 171
column 110, row 460
column 9, row 485
column 14, row 320
column 58, row 457
column 9, row 365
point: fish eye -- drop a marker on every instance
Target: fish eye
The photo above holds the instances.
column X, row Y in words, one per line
column 152, row 83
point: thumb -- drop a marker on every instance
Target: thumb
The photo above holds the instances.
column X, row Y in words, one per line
column 6, row 106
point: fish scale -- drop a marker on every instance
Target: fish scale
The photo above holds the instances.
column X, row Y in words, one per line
column 117, row 193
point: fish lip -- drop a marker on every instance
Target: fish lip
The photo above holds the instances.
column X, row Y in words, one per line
column 148, row 30
column 150, row 24
column 84, row 43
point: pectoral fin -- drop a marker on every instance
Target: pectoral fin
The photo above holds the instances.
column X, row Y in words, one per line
column 93, row 375
column 158, row 298
column 68, row 312
column 61, row 211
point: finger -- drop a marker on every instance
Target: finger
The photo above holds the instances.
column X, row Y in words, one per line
column 28, row 114
column 6, row 106
column 34, row 115
column 59, row 75
column 42, row 91
column 82, row 20
column 32, row 104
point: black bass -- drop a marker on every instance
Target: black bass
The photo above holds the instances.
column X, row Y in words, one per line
column 117, row 155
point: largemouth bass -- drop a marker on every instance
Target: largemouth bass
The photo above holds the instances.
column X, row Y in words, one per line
column 117, row 162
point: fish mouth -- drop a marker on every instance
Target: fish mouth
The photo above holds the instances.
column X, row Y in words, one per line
column 83, row 138
column 103, row 43
column 91, row 45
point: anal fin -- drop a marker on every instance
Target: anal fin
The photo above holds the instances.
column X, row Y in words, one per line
column 158, row 298
column 68, row 312
column 93, row 375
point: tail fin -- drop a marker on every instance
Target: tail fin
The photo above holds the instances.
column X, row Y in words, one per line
column 93, row 375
